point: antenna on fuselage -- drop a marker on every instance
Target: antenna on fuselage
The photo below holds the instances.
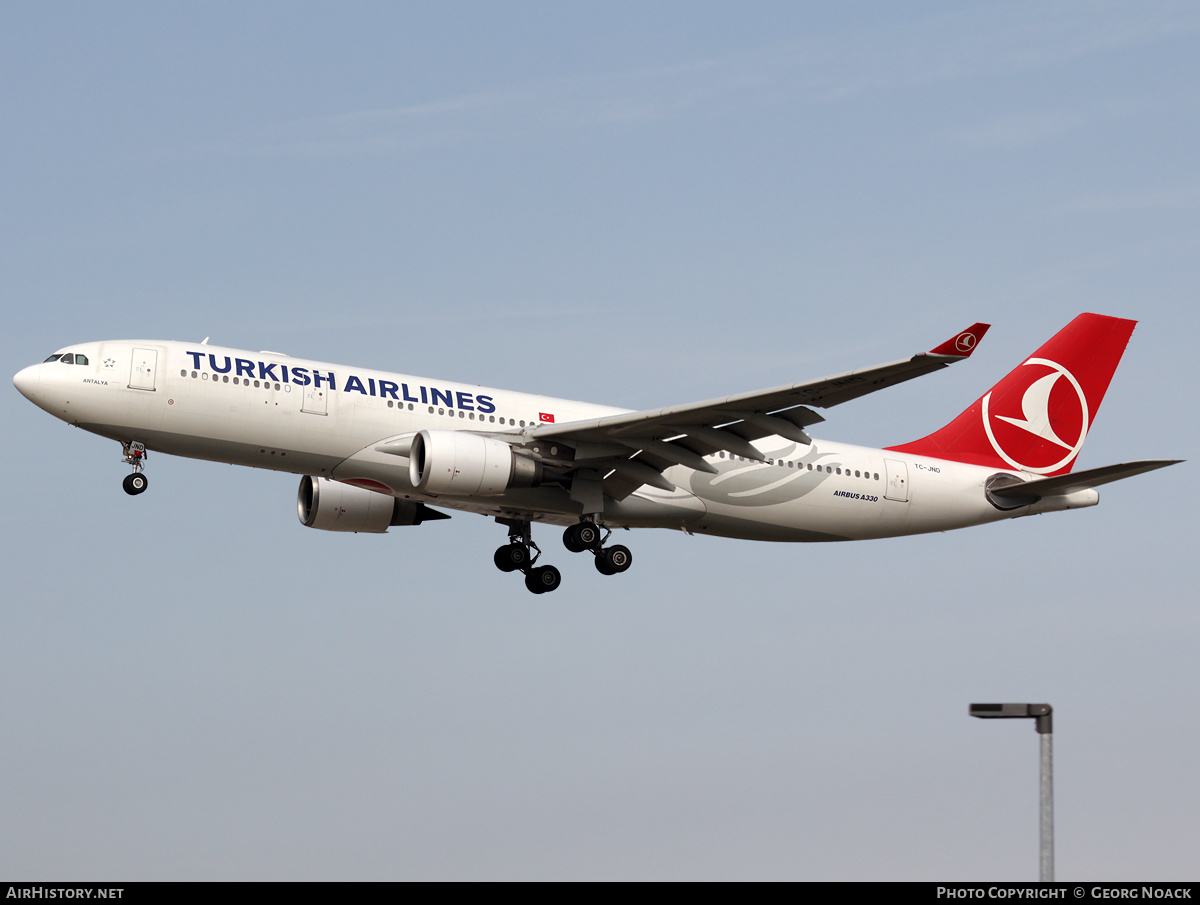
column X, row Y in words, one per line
column 205, row 343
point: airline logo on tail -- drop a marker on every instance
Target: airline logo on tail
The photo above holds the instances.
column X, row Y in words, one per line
column 1036, row 418
column 1072, row 419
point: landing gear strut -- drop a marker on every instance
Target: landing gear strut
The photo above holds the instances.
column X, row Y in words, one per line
column 590, row 535
column 135, row 455
column 521, row 554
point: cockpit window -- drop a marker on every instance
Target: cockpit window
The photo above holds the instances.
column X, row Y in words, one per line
column 55, row 357
column 80, row 359
column 67, row 359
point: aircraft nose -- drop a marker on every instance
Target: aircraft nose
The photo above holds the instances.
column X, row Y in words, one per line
column 28, row 381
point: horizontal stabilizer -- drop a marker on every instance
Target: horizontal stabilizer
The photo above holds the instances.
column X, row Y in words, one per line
column 1079, row 480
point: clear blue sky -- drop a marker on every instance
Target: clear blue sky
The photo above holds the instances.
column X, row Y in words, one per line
column 634, row 204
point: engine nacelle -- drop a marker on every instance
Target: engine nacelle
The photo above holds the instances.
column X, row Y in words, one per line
column 466, row 464
column 332, row 506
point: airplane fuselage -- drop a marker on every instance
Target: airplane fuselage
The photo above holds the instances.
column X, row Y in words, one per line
column 268, row 410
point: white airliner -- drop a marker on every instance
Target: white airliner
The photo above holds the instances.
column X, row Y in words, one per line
column 376, row 448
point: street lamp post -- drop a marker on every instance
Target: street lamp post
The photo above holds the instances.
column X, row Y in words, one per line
column 1043, row 716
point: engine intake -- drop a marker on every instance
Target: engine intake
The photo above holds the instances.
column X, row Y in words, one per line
column 331, row 506
column 466, row 464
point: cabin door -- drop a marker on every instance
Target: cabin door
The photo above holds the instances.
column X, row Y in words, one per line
column 141, row 373
column 897, row 481
column 316, row 400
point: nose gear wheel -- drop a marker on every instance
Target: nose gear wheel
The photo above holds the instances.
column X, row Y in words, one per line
column 135, row 455
column 135, row 483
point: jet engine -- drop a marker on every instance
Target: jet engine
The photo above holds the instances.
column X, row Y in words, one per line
column 331, row 506
column 466, row 464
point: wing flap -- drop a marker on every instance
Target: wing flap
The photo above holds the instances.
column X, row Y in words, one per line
column 685, row 434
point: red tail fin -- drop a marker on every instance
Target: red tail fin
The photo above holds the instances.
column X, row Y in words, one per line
column 1037, row 417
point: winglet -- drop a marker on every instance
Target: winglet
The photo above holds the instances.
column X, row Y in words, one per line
column 961, row 345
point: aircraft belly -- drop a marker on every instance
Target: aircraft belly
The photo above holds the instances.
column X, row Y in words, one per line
column 839, row 497
column 553, row 504
column 652, row 508
column 215, row 449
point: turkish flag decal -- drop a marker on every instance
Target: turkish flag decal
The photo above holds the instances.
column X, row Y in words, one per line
column 543, row 416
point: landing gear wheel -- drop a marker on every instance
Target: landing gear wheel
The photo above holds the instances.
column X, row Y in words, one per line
column 511, row 557
column 135, row 483
column 571, row 540
column 543, row 580
column 589, row 535
column 580, row 537
column 613, row 560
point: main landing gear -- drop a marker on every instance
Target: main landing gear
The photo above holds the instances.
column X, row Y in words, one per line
column 516, row 555
column 521, row 554
column 591, row 536
column 135, row 455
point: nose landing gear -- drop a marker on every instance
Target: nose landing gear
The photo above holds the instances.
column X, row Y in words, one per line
column 519, row 555
column 135, row 455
